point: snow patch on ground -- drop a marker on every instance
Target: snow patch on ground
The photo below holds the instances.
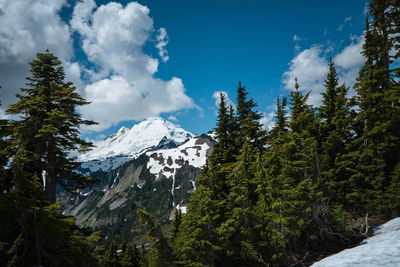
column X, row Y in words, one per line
column 382, row 249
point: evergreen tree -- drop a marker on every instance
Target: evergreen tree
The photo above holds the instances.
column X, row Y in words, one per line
column 45, row 135
column 281, row 123
column 161, row 251
column 302, row 117
column 236, row 232
column 377, row 146
column 222, row 149
column 248, row 120
column 49, row 127
column 130, row 256
column 335, row 134
column 176, row 223
column 112, row 257
column 197, row 243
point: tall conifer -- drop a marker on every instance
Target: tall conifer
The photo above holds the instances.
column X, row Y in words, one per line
column 49, row 127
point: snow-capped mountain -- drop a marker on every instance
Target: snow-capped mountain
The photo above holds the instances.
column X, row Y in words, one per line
column 130, row 142
column 125, row 144
column 154, row 166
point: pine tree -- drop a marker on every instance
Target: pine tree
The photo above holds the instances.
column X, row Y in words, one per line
column 377, row 146
column 130, row 256
column 281, row 123
column 49, row 127
column 236, row 232
column 221, row 150
column 301, row 115
column 45, row 135
column 335, row 134
column 161, row 251
column 176, row 223
column 248, row 120
column 112, row 257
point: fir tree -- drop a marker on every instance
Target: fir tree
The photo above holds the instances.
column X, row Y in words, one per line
column 377, row 146
column 281, row 123
column 223, row 131
column 45, row 135
column 248, row 120
column 335, row 134
column 112, row 257
column 49, row 127
column 301, row 114
column 130, row 256
column 161, row 250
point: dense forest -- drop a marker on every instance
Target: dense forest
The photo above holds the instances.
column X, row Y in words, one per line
column 314, row 184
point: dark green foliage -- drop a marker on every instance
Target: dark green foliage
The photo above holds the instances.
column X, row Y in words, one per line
column 160, row 253
column 302, row 117
column 248, row 120
column 376, row 148
column 281, row 123
column 111, row 257
column 49, row 127
column 335, row 135
column 37, row 146
column 130, row 255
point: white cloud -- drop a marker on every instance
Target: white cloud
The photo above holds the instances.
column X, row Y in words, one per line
column 28, row 27
column 310, row 66
column 162, row 41
column 351, row 56
column 120, row 81
column 113, row 37
column 217, row 97
column 267, row 120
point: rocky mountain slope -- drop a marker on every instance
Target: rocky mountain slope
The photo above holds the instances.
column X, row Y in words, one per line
column 153, row 166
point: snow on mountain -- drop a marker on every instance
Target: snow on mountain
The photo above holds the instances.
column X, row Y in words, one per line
column 166, row 162
column 382, row 249
column 130, row 142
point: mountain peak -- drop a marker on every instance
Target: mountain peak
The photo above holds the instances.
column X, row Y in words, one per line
column 143, row 135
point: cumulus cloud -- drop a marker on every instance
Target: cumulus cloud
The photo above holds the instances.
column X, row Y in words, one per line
column 28, row 27
column 113, row 37
column 118, row 76
column 310, row 66
column 217, row 97
column 351, row 56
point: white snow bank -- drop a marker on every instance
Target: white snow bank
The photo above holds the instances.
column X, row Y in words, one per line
column 382, row 249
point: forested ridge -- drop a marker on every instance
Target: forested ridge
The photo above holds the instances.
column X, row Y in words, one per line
column 314, row 184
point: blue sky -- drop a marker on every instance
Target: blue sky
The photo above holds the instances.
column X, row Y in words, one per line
column 207, row 45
